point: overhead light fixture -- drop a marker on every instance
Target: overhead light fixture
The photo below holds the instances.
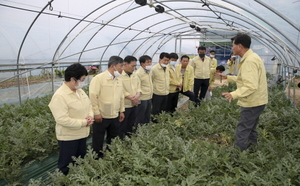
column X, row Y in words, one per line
column 141, row 2
column 192, row 26
column 159, row 9
column 198, row 29
column 274, row 58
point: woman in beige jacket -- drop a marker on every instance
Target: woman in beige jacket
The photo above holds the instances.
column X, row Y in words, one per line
column 73, row 114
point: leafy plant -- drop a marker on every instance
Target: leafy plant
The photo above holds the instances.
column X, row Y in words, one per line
column 195, row 147
column 27, row 133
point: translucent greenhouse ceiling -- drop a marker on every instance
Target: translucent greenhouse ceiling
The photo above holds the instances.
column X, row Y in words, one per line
column 62, row 32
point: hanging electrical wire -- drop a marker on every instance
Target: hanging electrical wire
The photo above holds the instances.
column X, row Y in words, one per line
column 59, row 15
column 218, row 16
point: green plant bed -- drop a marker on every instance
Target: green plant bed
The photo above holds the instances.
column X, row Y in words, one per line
column 195, row 148
column 27, row 136
column 27, row 133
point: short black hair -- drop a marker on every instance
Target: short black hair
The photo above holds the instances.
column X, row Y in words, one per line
column 212, row 51
column 144, row 58
column 221, row 68
column 185, row 56
column 76, row 71
column 201, row 48
column 164, row 54
column 242, row 39
column 129, row 59
column 173, row 55
column 114, row 60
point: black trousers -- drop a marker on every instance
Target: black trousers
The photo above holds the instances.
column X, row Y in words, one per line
column 159, row 104
column 111, row 127
column 128, row 122
column 172, row 102
column 143, row 112
column 189, row 94
column 246, row 134
column 200, row 85
column 67, row 149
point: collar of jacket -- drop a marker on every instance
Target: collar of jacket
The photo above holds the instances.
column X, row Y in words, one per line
column 160, row 67
column 126, row 74
column 249, row 52
column 110, row 76
column 205, row 57
column 146, row 71
column 186, row 68
column 141, row 69
column 67, row 89
column 171, row 67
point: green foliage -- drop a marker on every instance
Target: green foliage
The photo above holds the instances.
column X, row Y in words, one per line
column 194, row 147
column 27, row 133
column 59, row 73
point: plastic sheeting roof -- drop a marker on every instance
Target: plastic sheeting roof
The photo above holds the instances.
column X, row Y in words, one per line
column 93, row 30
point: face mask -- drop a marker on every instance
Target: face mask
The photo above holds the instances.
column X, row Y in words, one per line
column 201, row 55
column 148, row 67
column 233, row 56
column 117, row 73
column 80, row 85
column 173, row 63
column 164, row 65
column 212, row 55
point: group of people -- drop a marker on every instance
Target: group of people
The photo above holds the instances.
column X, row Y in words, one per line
column 119, row 97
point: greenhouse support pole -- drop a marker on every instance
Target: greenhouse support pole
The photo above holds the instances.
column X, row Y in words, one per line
column 176, row 45
column 52, row 76
column 284, row 76
column 294, row 86
column 289, row 82
column 18, row 58
column 180, row 45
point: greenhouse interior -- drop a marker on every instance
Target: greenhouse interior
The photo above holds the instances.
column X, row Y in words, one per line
column 193, row 145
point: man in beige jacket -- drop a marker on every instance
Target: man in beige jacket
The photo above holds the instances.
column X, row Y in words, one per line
column 144, row 74
column 132, row 92
column 251, row 92
column 107, row 98
column 214, row 61
column 187, row 75
column 231, row 64
column 161, row 84
column 201, row 64
column 175, row 84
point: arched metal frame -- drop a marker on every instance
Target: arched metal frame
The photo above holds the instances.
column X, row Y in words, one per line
column 284, row 51
column 150, row 27
column 21, row 46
